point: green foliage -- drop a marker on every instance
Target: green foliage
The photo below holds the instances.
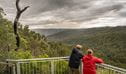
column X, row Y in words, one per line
column 36, row 67
column 1, row 11
column 20, row 54
column 32, row 44
column 59, row 49
column 43, row 56
column 61, row 67
column 15, row 55
column 7, row 40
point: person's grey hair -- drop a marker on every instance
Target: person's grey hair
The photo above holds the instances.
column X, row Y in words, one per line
column 78, row 46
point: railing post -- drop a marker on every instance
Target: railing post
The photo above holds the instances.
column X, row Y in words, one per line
column 81, row 68
column 18, row 68
column 7, row 68
column 52, row 67
column 14, row 71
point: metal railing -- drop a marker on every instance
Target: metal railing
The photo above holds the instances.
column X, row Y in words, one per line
column 6, row 68
column 108, row 69
column 56, row 65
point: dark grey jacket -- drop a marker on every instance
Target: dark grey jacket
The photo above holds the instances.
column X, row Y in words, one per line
column 75, row 58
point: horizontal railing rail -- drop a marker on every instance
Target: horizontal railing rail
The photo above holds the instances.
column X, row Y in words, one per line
column 5, row 63
column 38, row 59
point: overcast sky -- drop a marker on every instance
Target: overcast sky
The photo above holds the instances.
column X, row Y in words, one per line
column 68, row 13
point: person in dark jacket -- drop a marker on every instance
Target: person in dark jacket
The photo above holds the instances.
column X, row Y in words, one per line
column 75, row 59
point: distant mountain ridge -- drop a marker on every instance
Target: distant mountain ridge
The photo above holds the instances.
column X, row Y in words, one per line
column 69, row 34
column 47, row 32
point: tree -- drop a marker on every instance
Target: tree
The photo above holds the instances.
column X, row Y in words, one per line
column 19, row 12
column 1, row 12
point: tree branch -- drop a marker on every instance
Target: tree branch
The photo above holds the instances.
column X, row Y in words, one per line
column 25, row 9
column 17, row 5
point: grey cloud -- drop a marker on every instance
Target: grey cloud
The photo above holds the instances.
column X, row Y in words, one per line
column 72, row 10
column 37, row 7
column 95, row 13
column 122, row 14
column 40, row 6
column 90, row 13
column 80, row 14
column 46, row 22
column 105, row 9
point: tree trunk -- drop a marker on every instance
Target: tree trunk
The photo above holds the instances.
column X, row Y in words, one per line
column 19, row 12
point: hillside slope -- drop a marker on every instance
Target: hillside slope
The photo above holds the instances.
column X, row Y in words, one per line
column 69, row 34
column 108, row 42
column 47, row 32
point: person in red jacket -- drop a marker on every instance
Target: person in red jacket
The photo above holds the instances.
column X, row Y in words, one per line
column 89, row 62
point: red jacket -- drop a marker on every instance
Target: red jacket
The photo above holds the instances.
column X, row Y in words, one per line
column 89, row 62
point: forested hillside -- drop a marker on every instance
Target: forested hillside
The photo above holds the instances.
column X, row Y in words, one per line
column 33, row 45
column 108, row 42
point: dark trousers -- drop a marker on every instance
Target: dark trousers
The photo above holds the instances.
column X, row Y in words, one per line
column 74, row 71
